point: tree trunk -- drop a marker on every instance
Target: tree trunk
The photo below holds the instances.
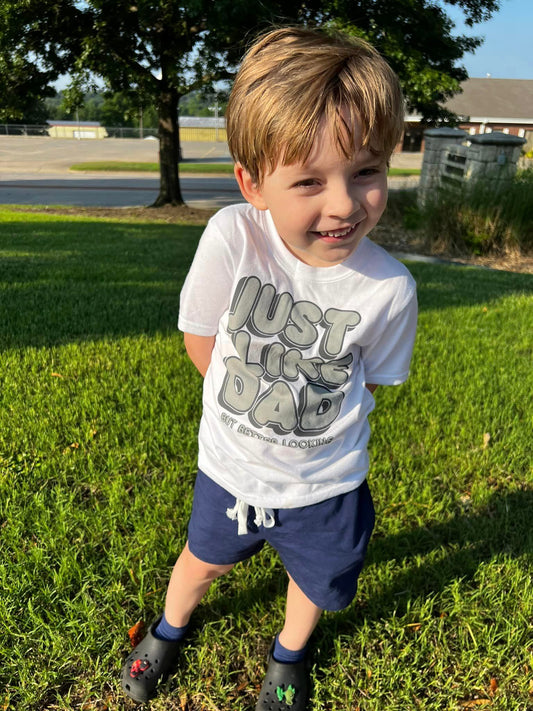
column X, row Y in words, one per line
column 169, row 150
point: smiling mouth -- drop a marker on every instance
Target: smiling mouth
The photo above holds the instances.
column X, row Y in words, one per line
column 338, row 234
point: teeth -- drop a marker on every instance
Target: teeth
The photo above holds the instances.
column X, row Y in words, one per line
column 338, row 233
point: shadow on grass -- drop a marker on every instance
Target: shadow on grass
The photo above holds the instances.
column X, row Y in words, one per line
column 450, row 551
column 461, row 545
column 446, row 286
column 65, row 281
column 453, row 551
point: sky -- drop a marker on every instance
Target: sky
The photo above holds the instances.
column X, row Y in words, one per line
column 507, row 52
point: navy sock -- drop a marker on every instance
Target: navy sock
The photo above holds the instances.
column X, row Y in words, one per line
column 168, row 632
column 287, row 656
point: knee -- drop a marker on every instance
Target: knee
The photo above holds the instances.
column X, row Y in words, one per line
column 200, row 570
column 209, row 572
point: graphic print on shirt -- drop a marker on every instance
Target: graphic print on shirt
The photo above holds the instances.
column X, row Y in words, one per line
column 283, row 386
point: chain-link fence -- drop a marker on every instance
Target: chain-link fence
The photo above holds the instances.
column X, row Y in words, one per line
column 7, row 129
column 188, row 131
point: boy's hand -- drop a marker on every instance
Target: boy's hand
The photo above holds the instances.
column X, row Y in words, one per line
column 199, row 350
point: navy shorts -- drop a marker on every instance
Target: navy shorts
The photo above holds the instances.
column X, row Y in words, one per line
column 322, row 546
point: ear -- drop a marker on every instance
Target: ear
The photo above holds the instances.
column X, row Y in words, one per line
column 251, row 192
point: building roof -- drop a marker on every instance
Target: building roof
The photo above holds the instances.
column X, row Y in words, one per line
column 202, row 122
column 505, row 100
column 84, row 124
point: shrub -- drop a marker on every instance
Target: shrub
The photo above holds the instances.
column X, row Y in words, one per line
column 479, row 219
column 402, row 209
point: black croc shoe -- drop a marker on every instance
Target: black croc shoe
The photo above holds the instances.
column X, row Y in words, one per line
column 150, row 663
column 285, row 687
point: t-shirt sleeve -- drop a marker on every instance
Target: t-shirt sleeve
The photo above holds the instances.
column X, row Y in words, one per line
column 207, row 288
column 388, row 356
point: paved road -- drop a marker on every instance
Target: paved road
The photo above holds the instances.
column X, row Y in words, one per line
column 35, row 171
column 111, row 191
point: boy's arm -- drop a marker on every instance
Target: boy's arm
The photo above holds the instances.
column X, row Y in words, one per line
column 371, row 387
column 199, row 350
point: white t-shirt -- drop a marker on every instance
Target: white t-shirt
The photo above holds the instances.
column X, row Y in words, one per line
column 285, row 407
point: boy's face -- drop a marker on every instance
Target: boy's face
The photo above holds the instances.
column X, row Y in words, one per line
column 325, row 206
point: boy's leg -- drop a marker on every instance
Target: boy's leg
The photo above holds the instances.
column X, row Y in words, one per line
column 301, row 618
column 152, row 660
column 189, row 582
column 286, row 681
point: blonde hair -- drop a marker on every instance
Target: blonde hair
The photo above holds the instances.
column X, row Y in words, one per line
column 291, row 80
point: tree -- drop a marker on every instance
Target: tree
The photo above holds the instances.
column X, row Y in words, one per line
column 202, row 103
column 30, row 60
column 166, row 50
column 163, row 50
column 127, row 109
column 24, row 88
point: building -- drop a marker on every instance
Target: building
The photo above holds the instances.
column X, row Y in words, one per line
column 76, row 129
column 488, row 105
column 485, row 105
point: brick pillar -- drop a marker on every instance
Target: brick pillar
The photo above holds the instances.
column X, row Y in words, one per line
column 436, row 140
column 493, row 158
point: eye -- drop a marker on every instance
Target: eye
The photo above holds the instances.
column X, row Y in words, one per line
column 367, row 172
column 307, row 183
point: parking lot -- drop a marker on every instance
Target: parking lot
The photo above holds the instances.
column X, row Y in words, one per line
column 36, row 171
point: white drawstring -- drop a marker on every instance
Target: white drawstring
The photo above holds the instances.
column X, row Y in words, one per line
column 264, row 517
column 239, row 513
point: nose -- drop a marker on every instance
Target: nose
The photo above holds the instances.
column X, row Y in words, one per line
column 342, row 201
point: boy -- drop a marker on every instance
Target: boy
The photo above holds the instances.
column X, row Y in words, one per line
column 294, row 317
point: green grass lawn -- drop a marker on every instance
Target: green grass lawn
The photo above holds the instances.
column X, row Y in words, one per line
column 223, row 168
column 98, row 420
column 119, row 166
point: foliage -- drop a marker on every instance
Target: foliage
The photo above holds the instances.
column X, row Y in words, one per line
column 74, row 95
column 22, row 92
column 123, row 109
column 89, row 110
column 35, row 47
column 126, row 109
column 480, row 219
column 202, row 103
column 98, row 424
